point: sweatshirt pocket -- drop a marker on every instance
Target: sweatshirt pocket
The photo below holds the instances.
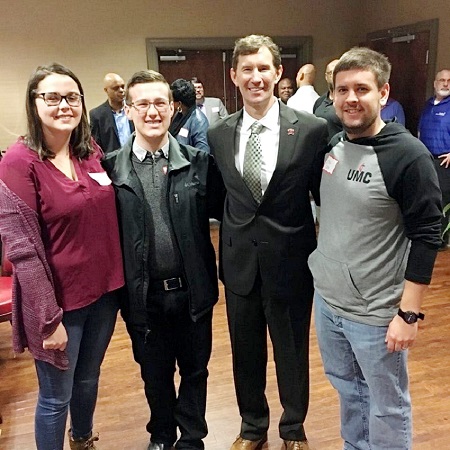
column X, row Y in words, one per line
column 332, row 278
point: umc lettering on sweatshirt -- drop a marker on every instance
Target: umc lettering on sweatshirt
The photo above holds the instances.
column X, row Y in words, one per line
column 359, row 175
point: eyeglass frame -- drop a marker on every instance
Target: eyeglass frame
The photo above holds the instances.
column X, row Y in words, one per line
column 63, row 97
column 142, row 112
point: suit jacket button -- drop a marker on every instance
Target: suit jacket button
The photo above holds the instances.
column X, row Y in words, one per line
column 255, row 242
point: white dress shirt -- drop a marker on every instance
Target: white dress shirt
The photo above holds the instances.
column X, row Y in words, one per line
column 304, row 99
column 270, row 138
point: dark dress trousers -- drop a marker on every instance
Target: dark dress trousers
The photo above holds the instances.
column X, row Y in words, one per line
column 104, row 129
column 263, row 264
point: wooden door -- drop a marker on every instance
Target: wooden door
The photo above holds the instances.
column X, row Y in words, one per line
column 409, row 59
column 212, row 67
column 206, row 65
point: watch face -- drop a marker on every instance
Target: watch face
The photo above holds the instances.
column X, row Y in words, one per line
column 410, row 317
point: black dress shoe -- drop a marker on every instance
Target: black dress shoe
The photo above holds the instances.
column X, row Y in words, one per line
column 158, row 446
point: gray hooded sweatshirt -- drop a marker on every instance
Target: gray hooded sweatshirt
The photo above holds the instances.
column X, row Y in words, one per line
column 380, row 223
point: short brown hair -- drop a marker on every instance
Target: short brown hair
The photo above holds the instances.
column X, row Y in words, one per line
column 80, row 139
column 251, row 44
column 146, row 76
column 365, row 59
column 196, row 80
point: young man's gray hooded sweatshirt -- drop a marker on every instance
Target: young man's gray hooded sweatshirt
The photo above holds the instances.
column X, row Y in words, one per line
column 380, row 223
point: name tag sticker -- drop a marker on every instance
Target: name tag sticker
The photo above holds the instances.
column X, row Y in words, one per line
column 101, row 178
column 184, row 132
column 330, row 164
column 215, row 109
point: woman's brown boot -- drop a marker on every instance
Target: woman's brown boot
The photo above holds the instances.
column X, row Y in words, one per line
column 83, row 443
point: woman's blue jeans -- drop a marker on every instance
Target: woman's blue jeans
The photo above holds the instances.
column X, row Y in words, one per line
column 89, row 331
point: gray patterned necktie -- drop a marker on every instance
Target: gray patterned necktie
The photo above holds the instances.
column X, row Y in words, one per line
column 252, row 162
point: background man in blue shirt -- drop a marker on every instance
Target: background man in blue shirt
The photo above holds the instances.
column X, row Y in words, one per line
column 434, row 132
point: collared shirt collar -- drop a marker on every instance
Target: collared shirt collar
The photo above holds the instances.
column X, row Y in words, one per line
column 141, row 153
column 165, row 150
column 270, row 120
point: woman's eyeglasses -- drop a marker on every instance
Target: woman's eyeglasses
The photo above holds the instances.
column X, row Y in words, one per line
column 54, row 99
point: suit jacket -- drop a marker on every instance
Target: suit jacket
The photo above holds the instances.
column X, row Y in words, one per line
column 214, row 109
column 275, row 237
column 104, row 129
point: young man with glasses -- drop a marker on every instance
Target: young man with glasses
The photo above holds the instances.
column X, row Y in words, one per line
column 212, row 107
column 166, row 193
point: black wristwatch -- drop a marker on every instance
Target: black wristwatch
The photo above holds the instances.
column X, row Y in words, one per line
column 410, row 316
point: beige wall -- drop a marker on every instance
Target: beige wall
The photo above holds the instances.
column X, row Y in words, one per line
column 94, row 37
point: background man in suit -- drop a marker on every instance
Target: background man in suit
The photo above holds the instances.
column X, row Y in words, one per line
column 286, row 90
column 211, row 107
column 266, row 237
column 324, row 104
column 109, row 124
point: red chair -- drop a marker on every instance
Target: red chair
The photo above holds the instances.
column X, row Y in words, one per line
column 5, row 290
column 5, row 293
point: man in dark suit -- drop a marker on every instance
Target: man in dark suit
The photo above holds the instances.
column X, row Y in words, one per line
column 323, row 107
column 267, row 234
column 110, row 126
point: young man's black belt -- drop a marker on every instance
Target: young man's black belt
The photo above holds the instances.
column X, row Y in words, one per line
column 169, row 284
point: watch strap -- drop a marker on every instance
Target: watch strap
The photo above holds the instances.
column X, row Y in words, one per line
column 404, row 314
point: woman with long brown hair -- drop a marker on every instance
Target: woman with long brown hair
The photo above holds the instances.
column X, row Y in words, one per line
column 58, row 223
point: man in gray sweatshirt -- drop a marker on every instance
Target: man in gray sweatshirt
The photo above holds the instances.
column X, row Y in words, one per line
column 378, row 240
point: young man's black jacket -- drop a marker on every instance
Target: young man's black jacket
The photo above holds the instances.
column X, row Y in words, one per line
column 195, row 193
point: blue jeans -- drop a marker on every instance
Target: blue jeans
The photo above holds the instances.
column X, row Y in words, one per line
column 372, row 383
column 89, row 331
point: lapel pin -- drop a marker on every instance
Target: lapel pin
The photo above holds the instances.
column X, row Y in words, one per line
column 290, row 131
